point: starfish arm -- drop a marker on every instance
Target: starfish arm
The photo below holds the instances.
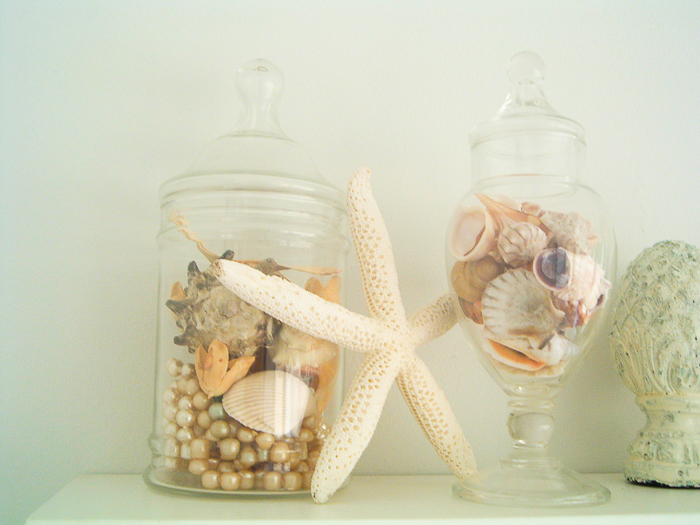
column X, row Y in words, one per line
column 356, row 423
column 434, row 415
column 433, row 320
column 373, row 247
column 300, row 309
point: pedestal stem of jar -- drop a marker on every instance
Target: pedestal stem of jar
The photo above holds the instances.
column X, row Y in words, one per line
column 530, row 425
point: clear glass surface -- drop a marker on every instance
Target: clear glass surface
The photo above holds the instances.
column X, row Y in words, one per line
column 243, row 402
column 531, row 259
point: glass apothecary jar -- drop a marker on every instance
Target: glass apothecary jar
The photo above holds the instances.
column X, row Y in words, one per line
column 243, row 403
column 531, row 259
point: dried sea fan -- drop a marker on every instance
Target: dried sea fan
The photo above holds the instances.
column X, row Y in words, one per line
column 206, row 310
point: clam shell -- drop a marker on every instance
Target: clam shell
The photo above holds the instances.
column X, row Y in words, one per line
column 271, row 401
column 520, row 242
column 472, row 234
column 574, row 279
column 516, row 305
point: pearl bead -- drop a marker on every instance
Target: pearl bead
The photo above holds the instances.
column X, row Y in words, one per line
column 185, row 403
column 185, row 418
column 247, row 479
column 171, row 448
column 201, row 401
column 264, row 440
column 198, row 466
column 210, row 479
column 199, row 448
column 272, row 480
column 184, row 435
column 226, row 466
column 216, row 411
column 219, row 429
column 185, row 451
column 229, row 448
column 230, row 481
column 192, row 386
column 169, row 412
column 245, row 435
column 170, row 429
column 204, row 419
column 170, row 395
column 280, row 453
column 182, row 385
column 306, row 479
column 248, row 456
column 173, row 367
column 292, row 481
column 306, row 435
column 311, row 422
column 187, row 370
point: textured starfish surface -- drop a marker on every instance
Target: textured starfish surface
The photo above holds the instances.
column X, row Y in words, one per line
column 387, row 339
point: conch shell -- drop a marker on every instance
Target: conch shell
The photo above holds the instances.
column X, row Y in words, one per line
column 505, row 210
column 520, row 242
column 215, row 372
column 515, row 305
column 576, row 281
column 470, row 278
column 472, row 234
column 270, row 401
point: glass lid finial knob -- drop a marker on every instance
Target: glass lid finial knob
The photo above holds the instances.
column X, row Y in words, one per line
column 260, row 84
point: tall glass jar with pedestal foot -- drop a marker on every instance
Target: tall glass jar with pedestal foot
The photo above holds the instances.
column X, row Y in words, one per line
column 243, row 402
column 531, row 257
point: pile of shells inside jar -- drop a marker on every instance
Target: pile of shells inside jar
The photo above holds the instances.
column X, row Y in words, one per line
column 248, row 412
column 526, row 281
column 202, row 438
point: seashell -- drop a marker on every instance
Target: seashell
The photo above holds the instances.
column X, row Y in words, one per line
column 469, row 279
column 505, row 210
column 215, row 372
column 551, row 349
column 576, row 281
column 511, row 357
column 472, row 234
column 516, row 305
column 569, row 231
column 206, row 311
column 271, row 401
column 293, row 349
column 519, row 242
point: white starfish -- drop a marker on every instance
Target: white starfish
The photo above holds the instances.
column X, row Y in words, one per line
column 387, row 338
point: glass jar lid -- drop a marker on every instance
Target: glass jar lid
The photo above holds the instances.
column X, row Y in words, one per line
column 527, row 136
column 257, row 154
column 526, row 109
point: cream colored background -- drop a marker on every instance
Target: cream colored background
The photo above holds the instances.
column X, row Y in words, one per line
column 101, row 102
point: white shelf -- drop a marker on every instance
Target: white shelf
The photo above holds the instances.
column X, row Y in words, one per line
column 125, row 499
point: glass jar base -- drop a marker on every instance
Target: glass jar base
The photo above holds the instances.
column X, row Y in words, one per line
column 542, row 483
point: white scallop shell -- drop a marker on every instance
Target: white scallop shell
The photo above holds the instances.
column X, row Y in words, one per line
column 472, row 234
column 519, row 242
column 271, row 401
column 516, row 305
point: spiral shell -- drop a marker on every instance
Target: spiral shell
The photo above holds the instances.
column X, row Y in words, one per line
column 271, row 401
column 515, row 305
column 520, row 242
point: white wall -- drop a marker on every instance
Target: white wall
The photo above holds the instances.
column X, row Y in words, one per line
column 104, row 101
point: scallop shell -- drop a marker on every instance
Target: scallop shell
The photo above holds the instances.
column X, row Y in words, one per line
column 576, row 281
column 520, row 242
column 469, row 279
column 569, row 231
column 516, row 305
column 271, row 401
column 472, row 234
